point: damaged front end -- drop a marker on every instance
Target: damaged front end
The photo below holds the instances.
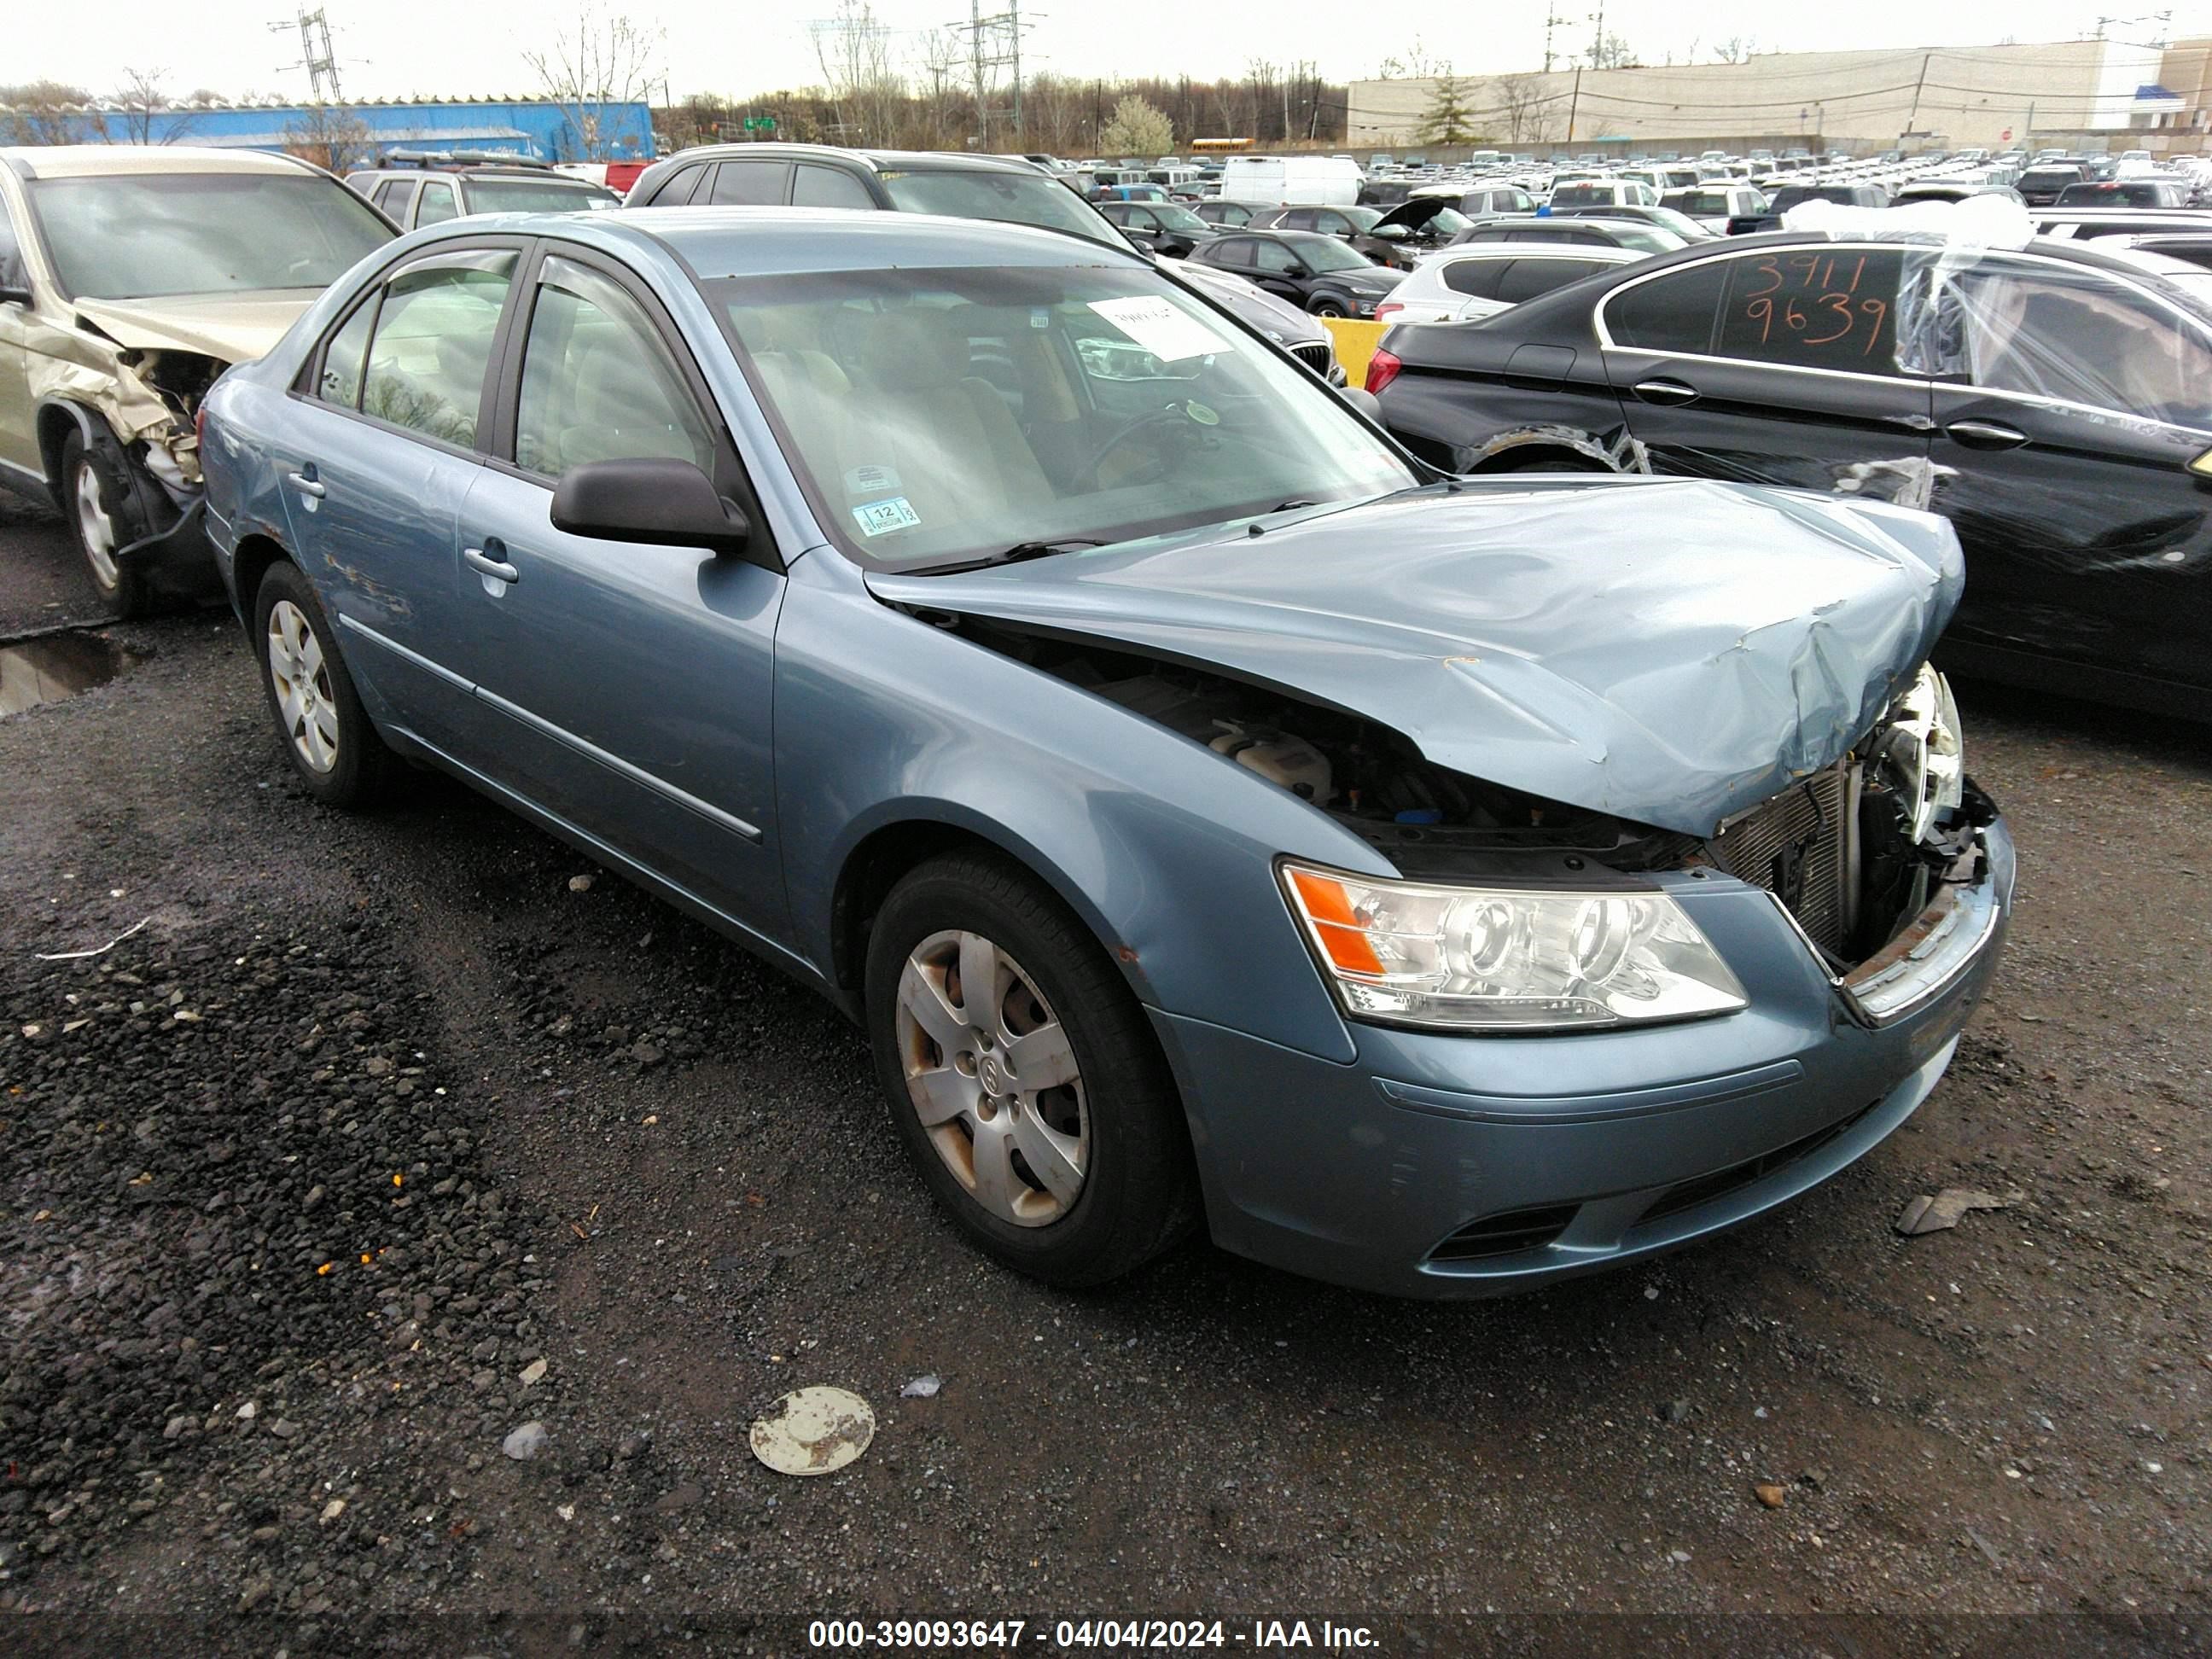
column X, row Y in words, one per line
column 1876, row 862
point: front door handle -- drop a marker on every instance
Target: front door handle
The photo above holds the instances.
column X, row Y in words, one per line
column 477, row 558
column 306, row 482
column 1665, row 391
column 1986, row 435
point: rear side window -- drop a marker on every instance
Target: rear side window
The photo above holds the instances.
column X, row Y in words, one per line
column 748, row 184
column 433, row 343
column 343, row 357
column 1236, row 250
column 678, row 188
column 1476, row 278
column 1526, row 278
column 1814, row 308
column 829, row 188
column 1674, row 312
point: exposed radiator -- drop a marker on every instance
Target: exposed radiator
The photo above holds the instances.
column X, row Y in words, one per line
column 1796, row 847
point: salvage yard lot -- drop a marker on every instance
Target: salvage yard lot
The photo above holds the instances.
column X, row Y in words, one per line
column 376, row 1111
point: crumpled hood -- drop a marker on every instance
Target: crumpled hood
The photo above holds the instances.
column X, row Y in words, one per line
column 233, row 328
column 1672, row 652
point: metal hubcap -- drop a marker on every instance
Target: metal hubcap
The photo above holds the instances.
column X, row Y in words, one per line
column 305, row 706
column 96, row 529
column 990, row 1072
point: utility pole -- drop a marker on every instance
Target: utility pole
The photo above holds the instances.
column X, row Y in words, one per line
column 1551, row 21
column 1912, row 121
column 1574, row 103
column 993, row 42
column 315, row 54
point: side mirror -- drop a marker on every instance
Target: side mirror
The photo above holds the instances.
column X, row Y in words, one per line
column 1390, row 233
column 1362, row 400
column 13, row 294
column 667, row 503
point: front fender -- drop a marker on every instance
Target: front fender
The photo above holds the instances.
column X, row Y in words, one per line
column 1165, row 849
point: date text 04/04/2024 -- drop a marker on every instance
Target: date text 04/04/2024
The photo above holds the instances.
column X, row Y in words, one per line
column 1169, row 1635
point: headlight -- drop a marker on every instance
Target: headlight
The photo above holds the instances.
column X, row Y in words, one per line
column 1484, row 958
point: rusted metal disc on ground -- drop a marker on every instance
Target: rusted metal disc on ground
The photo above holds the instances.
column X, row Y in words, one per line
column 813, row 1431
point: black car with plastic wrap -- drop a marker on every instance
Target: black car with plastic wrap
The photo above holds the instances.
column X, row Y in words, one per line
column 2054, row 402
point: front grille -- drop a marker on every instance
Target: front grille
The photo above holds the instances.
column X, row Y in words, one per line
column 1505, row 1233
column 1315, row 356
column 1688, row 1195
column 1793, row 847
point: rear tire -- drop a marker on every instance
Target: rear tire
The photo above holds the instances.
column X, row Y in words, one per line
column 1069, row 1159
column 326, row 735
column 105, row 515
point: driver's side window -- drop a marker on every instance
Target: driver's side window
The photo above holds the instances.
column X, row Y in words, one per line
column 598, row 382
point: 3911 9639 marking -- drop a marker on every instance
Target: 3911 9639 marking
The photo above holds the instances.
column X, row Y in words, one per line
column 1813, row 299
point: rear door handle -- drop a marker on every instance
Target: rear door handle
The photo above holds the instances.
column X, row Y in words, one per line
column 480, row 558
column 306, row 482
column 1665, row 391
column 1986, row 435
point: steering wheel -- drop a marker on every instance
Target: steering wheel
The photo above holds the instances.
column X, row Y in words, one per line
column 1176, row 417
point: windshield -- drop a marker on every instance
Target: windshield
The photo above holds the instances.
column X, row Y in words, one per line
column 133, row 236
column 1363, row 218
column 1582, row 196
column 1448, row 222
column 1178, row 218
column 1326, row 253
column 1681, row 224
column 1017, row 198
column 940, row 417
column 536, row 196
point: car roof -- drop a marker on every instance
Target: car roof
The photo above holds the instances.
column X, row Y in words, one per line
column 933, row 161
column 1459, row 251
column 766, row 241
column 111, row 161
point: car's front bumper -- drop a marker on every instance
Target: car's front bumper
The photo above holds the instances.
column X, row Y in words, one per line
column 1448, row 1165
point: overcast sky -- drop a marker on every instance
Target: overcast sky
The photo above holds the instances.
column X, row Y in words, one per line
column 397, row 48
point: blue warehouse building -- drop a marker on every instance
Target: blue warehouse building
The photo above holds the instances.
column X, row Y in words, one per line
column 541, row 128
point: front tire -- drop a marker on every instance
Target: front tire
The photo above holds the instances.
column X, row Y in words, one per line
column 1327, row 305
column 1022, row 1075
column 326, row 733
column 104, row 517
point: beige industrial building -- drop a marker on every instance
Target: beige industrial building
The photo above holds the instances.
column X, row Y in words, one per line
column 1917, row 98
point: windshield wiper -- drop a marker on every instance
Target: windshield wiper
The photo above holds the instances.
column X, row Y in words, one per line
column 1285, row 507
column 1021, row 550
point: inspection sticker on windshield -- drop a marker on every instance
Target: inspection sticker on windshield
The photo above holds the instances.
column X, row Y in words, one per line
column 1169, row 334
column 881, row 518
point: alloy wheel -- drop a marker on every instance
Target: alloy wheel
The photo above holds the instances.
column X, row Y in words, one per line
column 990, row 1072
column 95, row 526
column 305, row 706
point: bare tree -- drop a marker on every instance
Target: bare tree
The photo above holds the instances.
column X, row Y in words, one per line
column 1734, row 49
column 1610, row 51
column 1522, row 108
column 592, row 69
column 332, row 137
column 148, row 114
column 1416, row 63
column 853, row 49
column 49, row 112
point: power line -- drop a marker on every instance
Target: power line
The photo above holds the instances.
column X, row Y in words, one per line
column 993, row 43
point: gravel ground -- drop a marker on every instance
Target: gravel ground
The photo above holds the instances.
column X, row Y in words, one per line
column 302, row 1182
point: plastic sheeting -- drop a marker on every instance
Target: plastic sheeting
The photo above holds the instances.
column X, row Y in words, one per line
column 1670, row 651
column 2041, row 329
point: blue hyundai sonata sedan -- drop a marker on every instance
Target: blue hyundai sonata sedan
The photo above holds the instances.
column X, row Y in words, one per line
column 1209, row 812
